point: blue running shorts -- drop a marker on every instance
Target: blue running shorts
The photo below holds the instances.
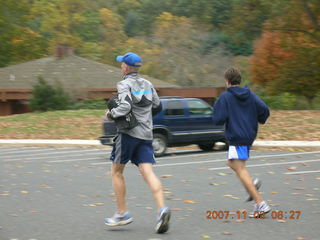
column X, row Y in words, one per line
column 238, row 152
column 127, row 148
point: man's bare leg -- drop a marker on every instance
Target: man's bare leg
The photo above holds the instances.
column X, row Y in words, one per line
column 240, row 168
column 119, row 186
column 154, row 183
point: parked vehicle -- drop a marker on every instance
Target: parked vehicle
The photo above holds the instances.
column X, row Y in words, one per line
column 182, row 121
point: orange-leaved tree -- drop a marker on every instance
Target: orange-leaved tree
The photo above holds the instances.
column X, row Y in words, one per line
column 287, row 57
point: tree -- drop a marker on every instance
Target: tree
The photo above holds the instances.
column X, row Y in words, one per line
column 245, row 24
column 113, row 35
column 285, row 62
column 185, row 62
column 47, row 97
column 60, row 20
column 19, row 42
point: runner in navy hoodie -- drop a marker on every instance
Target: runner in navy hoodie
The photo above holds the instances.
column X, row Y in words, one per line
column 241, row 111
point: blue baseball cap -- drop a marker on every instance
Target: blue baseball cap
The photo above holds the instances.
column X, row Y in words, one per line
column 130, row 59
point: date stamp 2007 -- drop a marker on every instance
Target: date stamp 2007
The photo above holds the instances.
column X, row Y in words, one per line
column 277, row 214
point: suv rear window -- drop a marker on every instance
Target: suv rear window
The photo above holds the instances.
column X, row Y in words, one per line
column 174, row 108
column 198, row 107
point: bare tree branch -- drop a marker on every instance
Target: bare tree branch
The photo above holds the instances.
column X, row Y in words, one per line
column 311, row 15
column 314, row 36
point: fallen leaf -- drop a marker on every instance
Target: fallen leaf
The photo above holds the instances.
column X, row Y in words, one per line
column 13, row 215
column 205, row 236
column 149, row 208
column 214, row 184
column 189, row 201
column 176, row 209
column 227, row 233
column 292, row 168
column 240, row 220
column 299, row 188
column 166, row 175
column 221, row 174
column 228, row 195
column 274, row 192
column 24, row 192
column 176, row 199
column 313, row 199
column 98, row 204
column 33, row 211
column 309, row 195
column 282, row 221
column 300, row 238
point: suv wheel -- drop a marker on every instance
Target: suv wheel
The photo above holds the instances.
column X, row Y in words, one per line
column 159, row 144
column 206, row 146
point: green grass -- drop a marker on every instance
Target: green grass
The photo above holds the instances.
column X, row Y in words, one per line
column 87, row 124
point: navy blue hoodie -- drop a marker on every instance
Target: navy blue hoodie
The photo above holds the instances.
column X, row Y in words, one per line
column 241, row 111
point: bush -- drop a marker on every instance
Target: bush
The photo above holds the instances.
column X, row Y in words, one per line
column 284, row 101
column 96, row 103
column 47, row 97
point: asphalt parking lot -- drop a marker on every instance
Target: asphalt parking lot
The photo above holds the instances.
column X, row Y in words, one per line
column 65, row 193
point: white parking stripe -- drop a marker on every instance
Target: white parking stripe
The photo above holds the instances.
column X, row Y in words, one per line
column 18, row 151
column 302, row 172
column 220, row 168
column 26, row 157
column 218, row 160
column 76, row 160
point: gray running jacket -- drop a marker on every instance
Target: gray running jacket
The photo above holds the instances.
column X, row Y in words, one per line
column 137, row 94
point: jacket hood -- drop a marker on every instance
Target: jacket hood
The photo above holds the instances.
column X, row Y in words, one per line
column 240, row 92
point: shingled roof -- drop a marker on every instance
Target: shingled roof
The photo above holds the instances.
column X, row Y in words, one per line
column 73, row 72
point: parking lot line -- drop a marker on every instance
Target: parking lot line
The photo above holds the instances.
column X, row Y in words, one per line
column 18, row 151
column 53, row 155
column 76, row 160
column 216, row 160
column 301, row 172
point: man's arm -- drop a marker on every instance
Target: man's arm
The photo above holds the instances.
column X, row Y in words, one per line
column 156, row 104
column 125, row 101
column 263, row 110
column 220, row 112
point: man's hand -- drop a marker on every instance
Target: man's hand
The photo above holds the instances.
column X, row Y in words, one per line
column 109, row 116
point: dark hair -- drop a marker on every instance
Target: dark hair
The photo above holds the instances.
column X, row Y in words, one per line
column 233, row 76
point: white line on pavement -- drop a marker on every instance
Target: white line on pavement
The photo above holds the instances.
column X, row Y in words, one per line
column 217, row 160
column 31, row 157
column 18, row 151
column 301, row 172
column 76, row 160
column 269, row 164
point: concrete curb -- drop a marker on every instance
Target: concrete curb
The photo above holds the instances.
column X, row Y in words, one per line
column 97, row 142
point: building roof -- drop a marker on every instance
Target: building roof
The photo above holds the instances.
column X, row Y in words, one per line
column 73, row 72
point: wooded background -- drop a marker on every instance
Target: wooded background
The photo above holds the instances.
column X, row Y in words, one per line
column 275, row 43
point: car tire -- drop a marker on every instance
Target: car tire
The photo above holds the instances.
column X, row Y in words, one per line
column 206, row 146
column 159, row 144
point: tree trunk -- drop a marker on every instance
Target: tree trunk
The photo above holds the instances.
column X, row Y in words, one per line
column 310, row 102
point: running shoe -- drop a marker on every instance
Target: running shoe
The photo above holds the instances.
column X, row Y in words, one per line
column 163, row 220
column 119, row 219
column 262, row 209
column 257, row 183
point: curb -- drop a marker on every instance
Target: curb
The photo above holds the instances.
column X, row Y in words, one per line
column 97, row 142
